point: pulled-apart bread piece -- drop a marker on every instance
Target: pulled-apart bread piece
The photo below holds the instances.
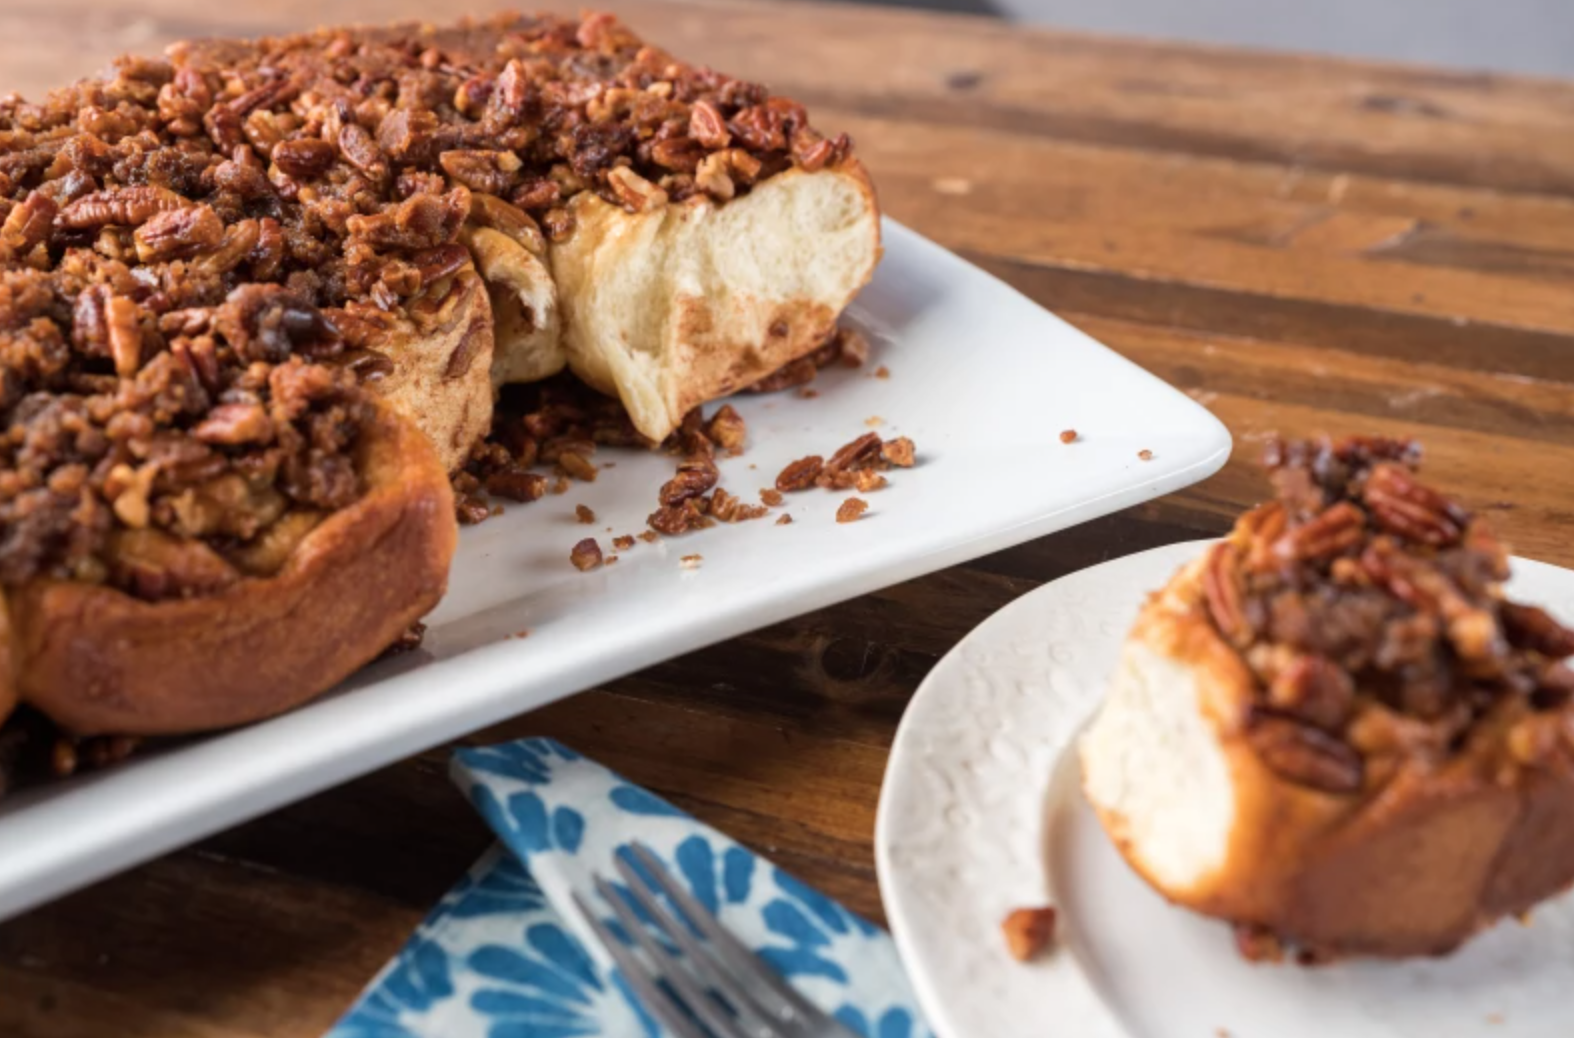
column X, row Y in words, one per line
column 1334, row 728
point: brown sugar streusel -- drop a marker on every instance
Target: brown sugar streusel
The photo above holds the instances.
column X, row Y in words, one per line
column 882, row 372
column 649, row 536
column 785, row 520
column 691, row 561
column 851, row 510
column 1145, row 455
column 586, row 555
column 1068, row 436
column 583, row 514
column 771, row 497
column 623, row 543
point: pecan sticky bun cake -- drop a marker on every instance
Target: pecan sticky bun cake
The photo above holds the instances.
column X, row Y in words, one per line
column 544, row 193
column 1334, row 730
column 256, row 299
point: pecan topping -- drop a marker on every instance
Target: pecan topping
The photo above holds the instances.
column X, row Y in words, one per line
column 1362, row 593
column 1529, row 627
column 304, row 158
column 726, row 429
column 1306, row 755
column 694, row 478
column 1028, row 931
column 801, row 474
column 200, row 257
column 851, row 510
column 708, row 127
column 125, row 207
column 586, row 555
column 850, row 455
column 899, row 452
column 179, row 234
column 1404, row 507
column 1222, row 589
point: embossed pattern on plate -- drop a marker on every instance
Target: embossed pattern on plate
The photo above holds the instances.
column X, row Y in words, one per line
column 981, row 813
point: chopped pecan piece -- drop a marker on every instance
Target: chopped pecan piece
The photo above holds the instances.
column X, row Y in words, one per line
column 586, row 555
column 1028, row 932
column 726, row 429
column 851, row 510
column 801, row 474
column 899, row 452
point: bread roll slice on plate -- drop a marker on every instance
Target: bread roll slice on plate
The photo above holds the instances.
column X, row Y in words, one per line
column 1334, row 731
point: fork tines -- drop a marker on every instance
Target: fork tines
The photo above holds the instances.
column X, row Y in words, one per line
column 694, row 976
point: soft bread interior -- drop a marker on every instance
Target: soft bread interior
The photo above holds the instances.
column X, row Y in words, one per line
column 527, row 331
column 682, row 303
column 442, row 359
column 1154, row 769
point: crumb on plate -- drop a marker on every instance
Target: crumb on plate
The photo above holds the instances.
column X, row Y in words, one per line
column 851, row 510
column 586, row 555
column 1028, row 931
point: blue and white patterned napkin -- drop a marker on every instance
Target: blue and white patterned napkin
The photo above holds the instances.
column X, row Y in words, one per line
column 505, row 955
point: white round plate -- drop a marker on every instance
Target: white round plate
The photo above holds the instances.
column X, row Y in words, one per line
column 982, row 813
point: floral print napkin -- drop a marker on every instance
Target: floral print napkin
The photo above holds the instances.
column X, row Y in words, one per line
column 505, row 955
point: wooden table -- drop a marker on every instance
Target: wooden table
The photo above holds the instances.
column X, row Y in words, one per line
column 1301, row 244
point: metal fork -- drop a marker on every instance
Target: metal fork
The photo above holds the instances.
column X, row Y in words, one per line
column 716, row 988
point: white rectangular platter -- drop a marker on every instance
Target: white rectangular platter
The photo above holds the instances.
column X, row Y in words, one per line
column 983, row 380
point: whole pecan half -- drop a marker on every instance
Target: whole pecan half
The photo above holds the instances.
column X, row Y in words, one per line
column 179, row 234
column 1222, row 590
column 1331, row 533
column 304, row 158
column 124, row 207
column 1404, row 507
column 707, row 126
column 1306, row 755
column 694, row 478
column 1529, row 627
column 801, row 474
column 864, row 449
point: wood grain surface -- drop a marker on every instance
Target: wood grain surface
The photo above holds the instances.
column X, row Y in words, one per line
column 1302, row 244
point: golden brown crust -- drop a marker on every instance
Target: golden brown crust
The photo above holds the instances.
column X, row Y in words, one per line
column 1422, row 857
column 99, row 661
